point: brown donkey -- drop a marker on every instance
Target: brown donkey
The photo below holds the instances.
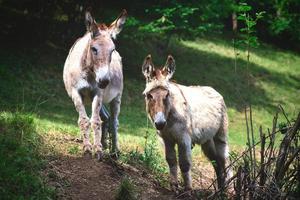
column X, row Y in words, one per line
column 185, row 116
column 93, row 69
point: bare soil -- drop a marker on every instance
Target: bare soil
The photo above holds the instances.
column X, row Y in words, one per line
column 78, row 177
column 86, row 178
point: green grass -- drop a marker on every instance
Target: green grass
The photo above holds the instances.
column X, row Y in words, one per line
column 31, row 81
column 274, row 79
column 21, row 162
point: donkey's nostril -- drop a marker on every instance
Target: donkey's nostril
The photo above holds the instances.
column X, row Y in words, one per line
column 103, row 83
column 160, row 120
column 160, row 125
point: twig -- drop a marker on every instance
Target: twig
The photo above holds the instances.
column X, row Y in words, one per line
column 285, row 115
column 262, row 157
column 248, row 137
column 252, row 135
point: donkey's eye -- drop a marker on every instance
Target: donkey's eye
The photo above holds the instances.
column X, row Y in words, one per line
column 94, row 50
column 149, row 96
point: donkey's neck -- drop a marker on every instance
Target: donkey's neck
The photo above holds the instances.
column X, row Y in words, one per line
column 80, row 51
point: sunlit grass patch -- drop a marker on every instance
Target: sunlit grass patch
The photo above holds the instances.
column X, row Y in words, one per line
column 273, row 80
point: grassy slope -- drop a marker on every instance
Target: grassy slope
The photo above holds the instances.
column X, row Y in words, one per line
column 31, row 80
column 21, row 159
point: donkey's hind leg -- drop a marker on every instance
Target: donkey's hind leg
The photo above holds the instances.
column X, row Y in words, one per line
column 104, row 115
column 83, row 121
column 222, row 151
column 209, row 149
column 115, row 111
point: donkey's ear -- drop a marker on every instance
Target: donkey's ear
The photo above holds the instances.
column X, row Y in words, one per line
column 148, row 68
column 91, row 25
column 116, row 27
column 169, row 67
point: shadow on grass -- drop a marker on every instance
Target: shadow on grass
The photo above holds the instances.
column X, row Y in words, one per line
column 196, row 67
column 34, row 78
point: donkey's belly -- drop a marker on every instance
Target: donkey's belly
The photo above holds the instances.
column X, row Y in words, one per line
column 110, row 93
column 204, row 125
column 202, row 136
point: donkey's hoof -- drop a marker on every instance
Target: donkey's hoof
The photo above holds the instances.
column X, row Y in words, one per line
column 104, row 144
column 87, row 154
column 87, row 151
column 99, row 155
column 115, row 155
column 188, row 192
column 174, row 188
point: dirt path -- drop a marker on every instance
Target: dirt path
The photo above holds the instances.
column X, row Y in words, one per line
column 85, row 178
column 76, row 177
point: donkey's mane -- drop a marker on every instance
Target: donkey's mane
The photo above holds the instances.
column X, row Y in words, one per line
column 102, row 26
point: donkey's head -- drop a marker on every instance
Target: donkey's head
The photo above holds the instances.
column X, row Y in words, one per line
column 157, row 95
column 102, row 46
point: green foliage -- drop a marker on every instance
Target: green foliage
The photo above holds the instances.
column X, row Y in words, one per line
column 20, row 160
column 285, row 19
column 151, row 157
column 186, row 19
column 248, row 31
column 126, row 190
column 173, row 19
column 279, row 25
column 73, row 150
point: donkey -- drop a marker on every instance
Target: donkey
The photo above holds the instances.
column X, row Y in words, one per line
column 93, row 70
column 186, row 116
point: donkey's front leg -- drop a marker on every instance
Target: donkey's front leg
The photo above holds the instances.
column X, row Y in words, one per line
column 115, row 111
column 83, row 121
column 172, row 162
column 185, row 160
column 96, row 124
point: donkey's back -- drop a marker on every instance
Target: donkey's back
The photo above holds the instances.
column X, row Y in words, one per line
column 204, row 108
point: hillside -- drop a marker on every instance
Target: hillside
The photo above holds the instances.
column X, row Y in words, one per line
column 31, row 84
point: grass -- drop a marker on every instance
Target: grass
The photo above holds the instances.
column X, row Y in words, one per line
column 21, row 161
column 31, row 80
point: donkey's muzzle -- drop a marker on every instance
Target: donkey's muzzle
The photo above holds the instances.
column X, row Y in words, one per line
column 103, row 83
column 159, row 121
column 160, row 125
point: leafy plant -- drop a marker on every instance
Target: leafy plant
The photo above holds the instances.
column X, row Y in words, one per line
column 246, row 35
column 186, row 19
column 126, row 190
column 250, row 22
column 151, row 157
column 74, row 150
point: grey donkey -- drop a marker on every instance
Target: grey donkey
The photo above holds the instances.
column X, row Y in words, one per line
column 93, row 70
column 186, row 115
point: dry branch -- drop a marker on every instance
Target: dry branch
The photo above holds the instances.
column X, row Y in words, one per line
column 276, row 175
